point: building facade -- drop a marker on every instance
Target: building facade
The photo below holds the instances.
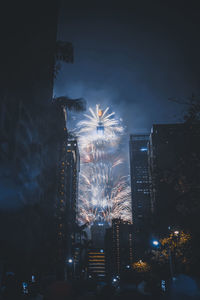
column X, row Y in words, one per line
column 66, row 205
column 96, row 264
column 27, row 59
column 119, row 247
column 174, row 169
column 140, row 191
column 31, row 127
column 98, row 230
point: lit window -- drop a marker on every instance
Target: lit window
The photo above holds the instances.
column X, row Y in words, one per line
column 143, row 149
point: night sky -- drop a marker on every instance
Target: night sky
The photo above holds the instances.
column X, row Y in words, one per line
column 132, row 57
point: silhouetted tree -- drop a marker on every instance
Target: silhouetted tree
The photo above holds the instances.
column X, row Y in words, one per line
column 192, row 112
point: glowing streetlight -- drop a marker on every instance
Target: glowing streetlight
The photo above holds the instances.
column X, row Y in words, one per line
column 155, row 243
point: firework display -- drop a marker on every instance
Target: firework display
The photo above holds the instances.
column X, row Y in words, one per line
column 104, row 194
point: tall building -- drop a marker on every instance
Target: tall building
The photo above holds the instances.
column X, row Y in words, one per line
column 31, row 128
column 98, row 230
column 119, row 247
column 66, row 206
column 140, row 192
column 174, row 155
column 27, row 56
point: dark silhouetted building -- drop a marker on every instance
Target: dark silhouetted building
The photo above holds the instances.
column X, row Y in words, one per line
column 140, row 191
column 31, row 130
column 66, row 206
column 174, row 155
column 98, row 230
column 119, row 247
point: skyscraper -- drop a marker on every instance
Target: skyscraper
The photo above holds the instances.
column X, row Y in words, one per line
column 140, row 192
column 174, row 169
column 66, row 206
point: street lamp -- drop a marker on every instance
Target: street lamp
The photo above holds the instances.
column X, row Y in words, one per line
column 155, row 243
column 71, row 268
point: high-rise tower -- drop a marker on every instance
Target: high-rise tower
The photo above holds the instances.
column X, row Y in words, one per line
column 66, row 205
column 140, row 191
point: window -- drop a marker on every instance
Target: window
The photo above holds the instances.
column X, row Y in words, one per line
column 143, row 149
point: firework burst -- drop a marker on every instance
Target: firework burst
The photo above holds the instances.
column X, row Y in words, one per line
column 103, row 194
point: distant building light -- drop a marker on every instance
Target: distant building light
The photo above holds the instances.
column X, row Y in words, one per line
column 70, row 260
column 100, row 224
column 163, row 285
column 25, row 287
column 143, row 149
column 101, row 251
column 68, row 144
column 114, row 279
column 128, row 266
